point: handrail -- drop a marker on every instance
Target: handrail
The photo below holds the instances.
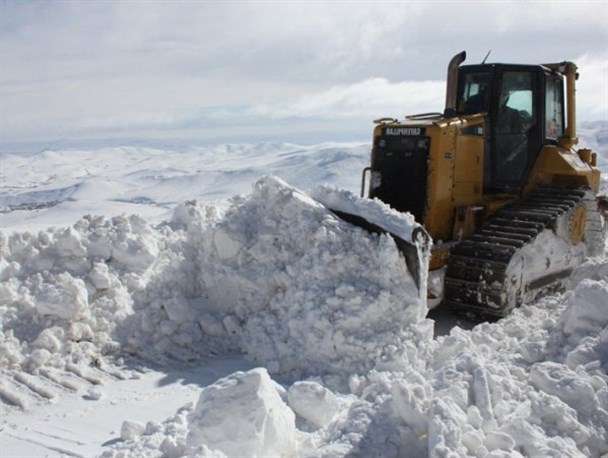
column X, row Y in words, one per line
column 365, row 170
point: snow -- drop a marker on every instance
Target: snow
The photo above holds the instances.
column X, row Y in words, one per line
column 209, row 303
column 243, row 413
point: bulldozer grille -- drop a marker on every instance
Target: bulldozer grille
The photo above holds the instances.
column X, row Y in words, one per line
column 399, row 172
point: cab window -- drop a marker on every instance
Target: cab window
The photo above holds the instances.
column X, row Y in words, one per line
column 514, row 119
column 474, row 92
column 515, row 109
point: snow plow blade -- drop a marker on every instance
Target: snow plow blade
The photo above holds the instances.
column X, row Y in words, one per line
column 374, row 216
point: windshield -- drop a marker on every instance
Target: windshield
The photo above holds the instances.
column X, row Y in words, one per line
column 516, row 92
column 473, row 93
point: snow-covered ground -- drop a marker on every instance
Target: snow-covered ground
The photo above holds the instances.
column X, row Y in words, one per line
column 194, row 302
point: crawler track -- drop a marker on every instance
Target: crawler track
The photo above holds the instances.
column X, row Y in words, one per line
column 488, row 273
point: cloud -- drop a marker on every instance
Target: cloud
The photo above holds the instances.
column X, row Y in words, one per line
column 375, row 97
column 592, row 87
column 339, row 42
column 159, row 65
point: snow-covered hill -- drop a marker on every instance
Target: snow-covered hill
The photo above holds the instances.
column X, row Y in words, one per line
column 63, row 185
column 196, row 303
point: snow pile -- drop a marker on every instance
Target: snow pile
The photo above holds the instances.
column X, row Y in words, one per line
column 300, row 289
column 400, row 224
column 244, row 414
column 277, row 277
column 64, row 291
column 532, row 384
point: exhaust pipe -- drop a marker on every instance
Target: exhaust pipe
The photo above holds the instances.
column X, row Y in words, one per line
column 452, row 84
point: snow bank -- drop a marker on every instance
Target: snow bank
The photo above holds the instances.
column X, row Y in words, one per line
column 276, row 276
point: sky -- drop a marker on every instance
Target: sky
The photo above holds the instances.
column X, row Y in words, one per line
column 126, row 71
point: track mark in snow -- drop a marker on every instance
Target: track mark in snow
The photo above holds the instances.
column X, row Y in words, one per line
column 82, row 373
column 69, row 384
column 111, row 371
column 116, row 373
column 61, row 438
column 59, row 450
column 36, row 385
column 10, row 395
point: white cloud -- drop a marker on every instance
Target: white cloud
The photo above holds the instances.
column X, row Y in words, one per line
column 592, row 87
column 376, row 97
column 103, row 65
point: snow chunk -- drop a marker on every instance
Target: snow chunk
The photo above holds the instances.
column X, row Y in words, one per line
column 446, row 422
column 313, row 402
column 94, row 394
column 177, row 309
column 100, row 276
column 66, row 297
column 131, row 430
column 560, row 381
column 588, row 312
column 134, row 244
column 243, row 415
column 410, row 403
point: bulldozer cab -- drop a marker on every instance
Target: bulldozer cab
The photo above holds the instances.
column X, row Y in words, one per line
column 525, row 109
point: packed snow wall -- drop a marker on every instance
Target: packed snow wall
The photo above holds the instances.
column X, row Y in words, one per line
column 275, row 275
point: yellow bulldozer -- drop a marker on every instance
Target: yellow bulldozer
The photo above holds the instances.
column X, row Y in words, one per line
column 510, row 205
